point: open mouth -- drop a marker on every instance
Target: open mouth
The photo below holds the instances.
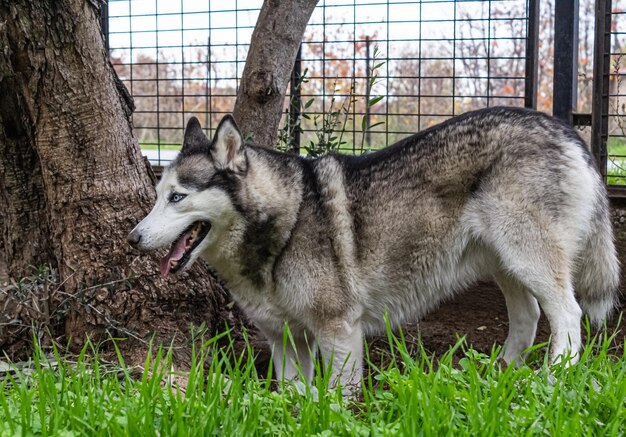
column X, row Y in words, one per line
column 181, row 249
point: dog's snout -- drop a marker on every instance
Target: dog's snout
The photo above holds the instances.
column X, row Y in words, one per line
column 134, row 238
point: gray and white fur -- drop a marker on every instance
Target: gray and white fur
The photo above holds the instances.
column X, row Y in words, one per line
column 331, row 245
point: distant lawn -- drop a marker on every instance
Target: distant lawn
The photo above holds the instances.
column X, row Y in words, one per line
column 164, row 146
column 616, row 148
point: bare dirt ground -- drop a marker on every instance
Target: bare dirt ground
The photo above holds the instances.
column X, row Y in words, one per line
column 480, row 315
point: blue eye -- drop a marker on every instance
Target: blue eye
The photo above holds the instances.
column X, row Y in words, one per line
column 177, row 197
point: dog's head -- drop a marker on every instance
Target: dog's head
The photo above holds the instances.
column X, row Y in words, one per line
column 194, row 205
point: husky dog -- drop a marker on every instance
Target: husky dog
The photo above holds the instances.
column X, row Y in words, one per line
column 331, row 245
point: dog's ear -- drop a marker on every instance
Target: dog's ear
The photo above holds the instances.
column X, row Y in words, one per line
column 227, row 148
column 195, row 141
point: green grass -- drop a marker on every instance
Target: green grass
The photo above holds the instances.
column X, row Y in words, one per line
column 616, row 148
column 162, row 146
column 408, row 396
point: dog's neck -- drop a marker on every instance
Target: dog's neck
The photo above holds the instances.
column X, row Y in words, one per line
column 270, row 201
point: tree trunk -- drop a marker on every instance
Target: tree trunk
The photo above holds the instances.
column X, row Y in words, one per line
column 275, row 41
column 75, row 182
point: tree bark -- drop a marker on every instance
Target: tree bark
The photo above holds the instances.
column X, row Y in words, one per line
column 22, row 197
column 74, row 180
column 275, row 41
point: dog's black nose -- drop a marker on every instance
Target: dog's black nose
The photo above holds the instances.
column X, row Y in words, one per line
column 134, row 238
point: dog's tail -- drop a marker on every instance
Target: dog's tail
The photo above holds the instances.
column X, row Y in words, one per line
column 598, row 272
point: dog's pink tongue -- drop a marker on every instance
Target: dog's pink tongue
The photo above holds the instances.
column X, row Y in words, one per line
column 176, row 252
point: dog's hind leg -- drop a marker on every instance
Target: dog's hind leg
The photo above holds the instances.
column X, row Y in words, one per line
column 523, row 312
column 543, row 269
column 530, row 248
column 564, row 314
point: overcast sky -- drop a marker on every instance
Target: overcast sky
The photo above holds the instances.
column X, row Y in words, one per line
column 145, row 24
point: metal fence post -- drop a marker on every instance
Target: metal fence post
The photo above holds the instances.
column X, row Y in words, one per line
column 565, row 81
column 368, row 90
column 295, row 102
column 104, row 23
column 532, row 55
column 601, row 72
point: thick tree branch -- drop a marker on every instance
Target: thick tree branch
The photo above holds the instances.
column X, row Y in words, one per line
column 275, row 41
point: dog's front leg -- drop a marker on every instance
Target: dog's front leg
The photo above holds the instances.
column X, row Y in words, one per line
column 292, row 355
column 341, row 345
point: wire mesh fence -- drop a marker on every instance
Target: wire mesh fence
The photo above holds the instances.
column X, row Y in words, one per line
column 616, row 90
column 370, row 71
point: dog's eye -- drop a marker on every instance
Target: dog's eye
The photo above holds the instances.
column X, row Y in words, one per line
column 177, row 197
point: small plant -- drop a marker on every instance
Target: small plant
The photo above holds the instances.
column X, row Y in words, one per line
column 291, row 127
column 329, row 128
column 372, row 101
